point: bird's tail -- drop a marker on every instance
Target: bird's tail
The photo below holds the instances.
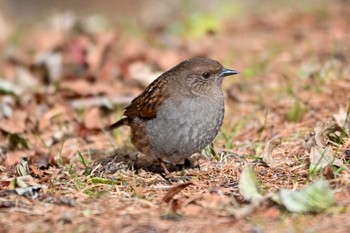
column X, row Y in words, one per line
column 121, row 122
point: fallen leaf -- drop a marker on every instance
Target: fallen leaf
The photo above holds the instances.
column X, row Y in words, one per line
column 7, row 104
column 211, row 200
column 17, row 183
column 24, row 78
column 7, row 87
column 21, row 182
column 92, row 118
column 22, row 168
column 322, row 157
column 248, row 185
column 342, row 118
column 322, row 131
column 267, row 153
column 83, row 87
column 97, row 55
column 315, row 198
column 13, row 157
column 175, row 190
column 328, row 172
column 31, row 192
column 45, row 120
column 36, row 171
column 53, row 61
column 80, row 87
column 16, row 124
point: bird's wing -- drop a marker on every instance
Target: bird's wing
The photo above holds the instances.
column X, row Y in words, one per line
column 147, row 103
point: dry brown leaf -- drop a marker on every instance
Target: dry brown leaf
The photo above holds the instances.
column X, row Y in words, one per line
column 328, row 172
column 96, row 56
column 16, row 124
column 81, row 87
column 45, row 121
column 212, row 200
column 12, row 157
column 36, row 171
column 85, row 88
column 267, row 153
column 192, row 210
column 175, row 190
column 92, row 118
column 322, row 131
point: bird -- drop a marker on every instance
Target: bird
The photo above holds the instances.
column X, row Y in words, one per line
column 179, row 113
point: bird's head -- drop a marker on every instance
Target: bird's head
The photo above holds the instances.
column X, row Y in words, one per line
column 201, row 75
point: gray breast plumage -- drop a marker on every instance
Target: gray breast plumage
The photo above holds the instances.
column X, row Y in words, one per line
column 184, row 128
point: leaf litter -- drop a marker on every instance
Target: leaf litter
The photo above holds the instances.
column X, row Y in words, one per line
column 56, row 100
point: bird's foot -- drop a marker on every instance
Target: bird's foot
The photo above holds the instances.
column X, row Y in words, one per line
column 174, row 179
column 171, row 178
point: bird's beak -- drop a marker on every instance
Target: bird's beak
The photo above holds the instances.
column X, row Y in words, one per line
column 226, row 72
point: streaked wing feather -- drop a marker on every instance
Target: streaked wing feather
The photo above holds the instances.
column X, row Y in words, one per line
column 146, row 104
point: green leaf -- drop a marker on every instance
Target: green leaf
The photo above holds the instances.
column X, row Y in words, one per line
column 248, row 185
column 315, row 198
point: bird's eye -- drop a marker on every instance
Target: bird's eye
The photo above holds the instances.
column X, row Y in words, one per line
column 205, row 75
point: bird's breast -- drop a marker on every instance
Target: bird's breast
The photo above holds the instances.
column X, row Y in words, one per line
column 185, row 127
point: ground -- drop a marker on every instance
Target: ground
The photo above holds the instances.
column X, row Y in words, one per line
column 63, row 83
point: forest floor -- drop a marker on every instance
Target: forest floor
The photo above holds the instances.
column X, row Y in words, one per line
column 60, row 85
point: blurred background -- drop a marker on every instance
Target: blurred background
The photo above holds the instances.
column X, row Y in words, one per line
column 151, row 10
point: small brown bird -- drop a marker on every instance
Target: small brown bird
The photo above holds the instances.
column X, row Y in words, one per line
column 179, row 113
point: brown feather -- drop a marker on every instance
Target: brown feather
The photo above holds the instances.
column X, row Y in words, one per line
column 146, row 104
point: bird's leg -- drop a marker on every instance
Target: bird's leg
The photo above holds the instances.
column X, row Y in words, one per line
column 170, row 177
column 165, row 169
column 167, row 175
